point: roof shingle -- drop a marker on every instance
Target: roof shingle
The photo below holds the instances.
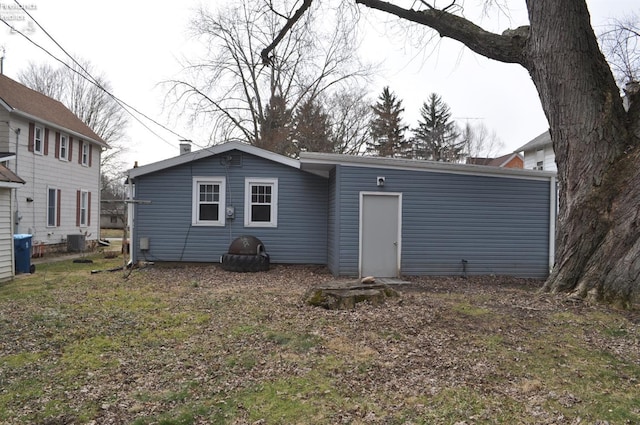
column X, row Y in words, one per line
column 21, row 99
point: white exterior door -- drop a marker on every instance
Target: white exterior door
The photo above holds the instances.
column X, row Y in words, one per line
column 380, row 231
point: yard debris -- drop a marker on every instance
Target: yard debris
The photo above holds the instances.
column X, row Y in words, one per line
column 199, row 344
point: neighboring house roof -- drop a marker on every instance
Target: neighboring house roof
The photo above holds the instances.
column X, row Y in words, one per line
column 8, row 178
column 474, row 160
column 501, row 161
column 34, row 105
column 210, row 151
column 537, row 143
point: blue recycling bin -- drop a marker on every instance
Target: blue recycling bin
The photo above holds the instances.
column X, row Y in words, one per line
column 22, row 253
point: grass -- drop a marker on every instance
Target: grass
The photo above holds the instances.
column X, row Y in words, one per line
column 153, row 348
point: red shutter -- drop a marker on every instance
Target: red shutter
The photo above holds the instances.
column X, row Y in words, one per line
column 58, row 208
column 57, row 145
column 70, row 149
column 32, row 132
column 80, row 142
column 89, row 209
column 78, row 208
column 90, row 154
column 46, row 141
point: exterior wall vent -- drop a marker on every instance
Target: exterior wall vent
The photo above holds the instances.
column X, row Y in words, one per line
column 231, row 159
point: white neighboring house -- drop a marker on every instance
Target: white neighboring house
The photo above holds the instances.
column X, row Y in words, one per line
column 59, row 158
column 9, row 182
column 538, row 153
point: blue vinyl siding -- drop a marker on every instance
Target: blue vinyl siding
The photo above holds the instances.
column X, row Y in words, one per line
column 301, row 235
column 498, row 225
column 334, row 238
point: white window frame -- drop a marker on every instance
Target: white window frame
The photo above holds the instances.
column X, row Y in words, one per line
column 63, row 154
column 51, row 189
column 85, row 154
column 84, row 207
column 195, row 204
column 38, row 140
column 249, row 182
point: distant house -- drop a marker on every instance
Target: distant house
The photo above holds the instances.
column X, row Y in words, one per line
column 113, row 214
column 61, row 157
column 9, row 182
column 357, row 215
column 510, row 160
column 538, row 153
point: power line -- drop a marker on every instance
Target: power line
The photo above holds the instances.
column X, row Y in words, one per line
column 88, row 77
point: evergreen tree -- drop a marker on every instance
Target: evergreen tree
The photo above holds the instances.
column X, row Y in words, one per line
column 436, row 138
column 276, row 127
column 387, row 130
column 312, row 128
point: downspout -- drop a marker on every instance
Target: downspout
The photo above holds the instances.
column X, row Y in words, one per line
column 552, row 221
column 16, row 213
column 129, row 208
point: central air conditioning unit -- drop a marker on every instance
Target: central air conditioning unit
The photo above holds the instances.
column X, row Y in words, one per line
column 75, row 243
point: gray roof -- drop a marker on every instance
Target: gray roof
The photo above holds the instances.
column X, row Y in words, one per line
column 321, row 163
column 210, row 151
column 542, row 140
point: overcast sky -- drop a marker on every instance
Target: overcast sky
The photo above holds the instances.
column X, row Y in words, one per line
column 136, row 44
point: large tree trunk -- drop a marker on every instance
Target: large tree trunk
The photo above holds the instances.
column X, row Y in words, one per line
column 596, row 141
column 597, row 244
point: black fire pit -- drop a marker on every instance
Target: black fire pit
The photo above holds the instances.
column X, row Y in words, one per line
column 246, row 254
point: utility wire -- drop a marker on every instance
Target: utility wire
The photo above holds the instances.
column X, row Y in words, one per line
column 125, row 106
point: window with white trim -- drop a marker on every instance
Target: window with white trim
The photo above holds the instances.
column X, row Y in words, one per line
column 261, row 202
column 85, row 154
column 84, row 207
column 38, row 140
column 208, row 201
column 64, row 147
column 52, row 207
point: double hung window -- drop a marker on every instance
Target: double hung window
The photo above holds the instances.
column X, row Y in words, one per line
column 261, row 202
column 208, row 201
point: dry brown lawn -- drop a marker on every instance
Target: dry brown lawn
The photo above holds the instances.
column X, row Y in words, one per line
column 198, row 345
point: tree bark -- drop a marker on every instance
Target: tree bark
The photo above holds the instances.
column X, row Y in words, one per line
column 596, row 141
column 597, row 246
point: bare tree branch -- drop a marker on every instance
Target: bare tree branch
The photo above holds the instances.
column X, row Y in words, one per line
column 508, row 47
column 266, row 60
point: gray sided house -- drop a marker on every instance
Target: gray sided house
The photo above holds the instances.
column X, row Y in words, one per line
column 359, row 216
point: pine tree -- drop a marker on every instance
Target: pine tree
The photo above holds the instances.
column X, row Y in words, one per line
column 276, row 127
column 312, row 128
column 387, row 130
column 436, row 138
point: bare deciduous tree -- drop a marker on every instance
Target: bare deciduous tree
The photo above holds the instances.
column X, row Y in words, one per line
column 351, row 113
column 233, row 88
column 88, row 101
column 479, row 141
column 621, row 44
column 596, row 140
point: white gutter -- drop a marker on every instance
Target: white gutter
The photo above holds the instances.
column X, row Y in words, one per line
column 129, row 205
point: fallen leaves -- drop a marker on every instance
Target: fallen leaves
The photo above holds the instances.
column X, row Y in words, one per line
column 197, row 344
